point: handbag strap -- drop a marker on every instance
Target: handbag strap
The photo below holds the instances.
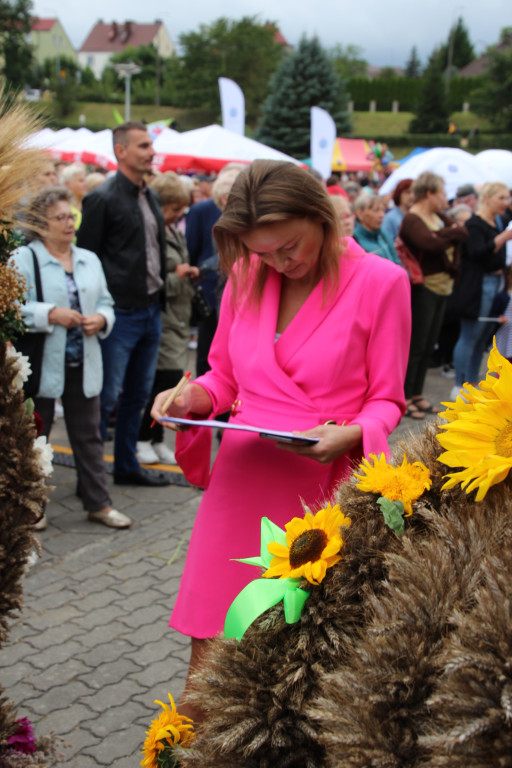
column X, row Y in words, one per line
column 37, row 275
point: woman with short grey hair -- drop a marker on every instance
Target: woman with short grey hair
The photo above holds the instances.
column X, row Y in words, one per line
column 73, row 312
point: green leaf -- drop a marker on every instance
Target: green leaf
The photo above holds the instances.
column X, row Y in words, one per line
column 393, row 512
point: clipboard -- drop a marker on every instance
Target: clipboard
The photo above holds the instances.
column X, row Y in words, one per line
column 277, row 435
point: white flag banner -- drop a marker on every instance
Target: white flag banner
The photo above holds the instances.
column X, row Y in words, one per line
column 323, row 136
column 233, row 106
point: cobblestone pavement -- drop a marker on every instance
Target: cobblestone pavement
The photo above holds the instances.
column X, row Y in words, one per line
column 92, row 649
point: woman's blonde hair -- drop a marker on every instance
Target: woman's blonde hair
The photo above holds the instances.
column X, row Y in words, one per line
column 490, row 188
column 425, row 183
column 268, row 192
column 170, row 189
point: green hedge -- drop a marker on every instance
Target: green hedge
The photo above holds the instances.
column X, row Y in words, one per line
column 405, row 90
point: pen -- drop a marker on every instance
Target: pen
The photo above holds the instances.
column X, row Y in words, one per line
column 174, row 394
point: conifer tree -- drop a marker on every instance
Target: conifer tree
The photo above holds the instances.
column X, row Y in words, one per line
column 305, row 79
column 432, row 112
column 413, row 66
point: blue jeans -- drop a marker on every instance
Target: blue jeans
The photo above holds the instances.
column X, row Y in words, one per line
column 130, row 354
column 469, row 350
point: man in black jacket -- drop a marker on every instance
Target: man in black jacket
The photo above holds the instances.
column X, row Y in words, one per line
column 122, row 222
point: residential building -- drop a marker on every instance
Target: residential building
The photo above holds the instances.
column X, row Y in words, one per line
column 49, row 40
column 106, row 39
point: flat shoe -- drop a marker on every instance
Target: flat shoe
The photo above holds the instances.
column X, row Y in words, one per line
column 142, row 477
column 429, row 408
column 113, row 519
column 414, row 413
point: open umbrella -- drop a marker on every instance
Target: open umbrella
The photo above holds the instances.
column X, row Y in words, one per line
column 498, row 163
column 456, row 167
column 209, row 149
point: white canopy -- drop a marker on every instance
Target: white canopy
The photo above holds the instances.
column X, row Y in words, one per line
column 209, row 149
column 498, row 163
column 456, row 166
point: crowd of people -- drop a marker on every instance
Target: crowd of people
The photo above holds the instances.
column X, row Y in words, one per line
column 319, row 308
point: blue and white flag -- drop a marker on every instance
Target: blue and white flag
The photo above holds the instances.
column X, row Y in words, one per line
column 233, row 106
column 323, row 136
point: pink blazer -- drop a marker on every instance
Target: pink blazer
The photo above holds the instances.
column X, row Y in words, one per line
column 341, row 358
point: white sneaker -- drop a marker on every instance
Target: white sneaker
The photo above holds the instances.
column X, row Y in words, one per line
column 457, row 392
column 42, row 523
column 165, row 455
column 145, row 453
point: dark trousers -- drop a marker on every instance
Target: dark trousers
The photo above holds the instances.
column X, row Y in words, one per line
column 205, row 332
column 130, row 355
column 163, row 380
column 82, row 418
column 427, row 317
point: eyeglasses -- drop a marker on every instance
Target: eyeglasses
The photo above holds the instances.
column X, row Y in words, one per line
column 62, row 217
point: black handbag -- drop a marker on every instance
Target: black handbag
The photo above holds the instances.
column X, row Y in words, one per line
column 32, row 344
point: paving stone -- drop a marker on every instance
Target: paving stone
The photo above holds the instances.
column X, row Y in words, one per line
column 61, row 696
column 106, row 652
column 114, row 721
column 53, row 618
column 100, row 616
column 56, row 654
column 104, row 634
column 99, row 598
column 58, row 674
column 109, row 696
column 77, row 740
column 53, row 636
column 142, row 618
column 56, row 599
column 13, row 674
column 18, row 651
column 106, row 674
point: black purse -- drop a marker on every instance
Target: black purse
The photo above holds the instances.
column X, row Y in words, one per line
column 32, row 344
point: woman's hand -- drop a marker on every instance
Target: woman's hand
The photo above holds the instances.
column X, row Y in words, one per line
column 334, row 442
column 193, row 401
column 69, row 318
column 185, row 270
column 93, row 324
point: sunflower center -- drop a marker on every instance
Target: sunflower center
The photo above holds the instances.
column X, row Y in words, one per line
column 504, row 441
column 308, row 547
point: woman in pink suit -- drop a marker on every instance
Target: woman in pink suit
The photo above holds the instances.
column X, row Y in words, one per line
column 313, row 337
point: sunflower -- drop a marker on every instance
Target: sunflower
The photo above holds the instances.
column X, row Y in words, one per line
column 312, row 546
column 166, row 731
column 405, row 483
column 479, row 438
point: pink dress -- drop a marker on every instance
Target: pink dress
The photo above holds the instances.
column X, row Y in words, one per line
column 341, row 358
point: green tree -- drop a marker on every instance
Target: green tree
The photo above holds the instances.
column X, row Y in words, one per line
column 15, row 49
column 456, row 52
column 493, row 99
column 348, row 61
column 245, row 51
column 305, row 79
column 413, row 65
column 432, row 112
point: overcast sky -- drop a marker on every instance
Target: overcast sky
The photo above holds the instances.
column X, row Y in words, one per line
column 385, row 30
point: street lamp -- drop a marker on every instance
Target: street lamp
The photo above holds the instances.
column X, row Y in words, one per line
column 127, row 70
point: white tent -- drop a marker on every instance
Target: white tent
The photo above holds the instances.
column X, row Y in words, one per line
column 498, row 163
column 209, row 149
column 456, row 166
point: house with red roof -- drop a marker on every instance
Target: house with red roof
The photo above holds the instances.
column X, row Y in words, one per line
column 106, row 39
column 49, row 40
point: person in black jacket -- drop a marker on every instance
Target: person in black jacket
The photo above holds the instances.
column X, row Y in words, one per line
column 483, row 259
column 122, row 222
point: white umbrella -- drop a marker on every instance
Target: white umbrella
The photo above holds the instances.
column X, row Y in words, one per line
column 497, row 162
column 456, row 167
column 209, row 149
